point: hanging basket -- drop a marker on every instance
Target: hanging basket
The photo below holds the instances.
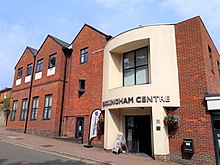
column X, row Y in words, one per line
column 172, row 121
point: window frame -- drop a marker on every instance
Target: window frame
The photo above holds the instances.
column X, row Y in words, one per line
column 135, row 67
column 34, row 109
column 14, row 109
column 20, row 71
column 47, row 108
column 210, row 58
column 39, row 67
column 23, row 109
column 84, row 53
column 50, row 65
column 29, row 69
column 82, row 85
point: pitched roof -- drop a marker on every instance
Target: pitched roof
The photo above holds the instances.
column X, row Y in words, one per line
column 90, row 28
column 5, row 90
column 34, row 51
column 60, row 42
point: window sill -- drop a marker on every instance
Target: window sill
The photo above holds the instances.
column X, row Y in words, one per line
column 47, row 119
column 81, row 91
column 33, row 119
column 83, row 62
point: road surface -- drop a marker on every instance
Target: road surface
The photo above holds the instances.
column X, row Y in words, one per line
column 11, row 154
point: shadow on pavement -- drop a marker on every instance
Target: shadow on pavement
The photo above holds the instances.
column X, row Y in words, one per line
column 52, row 162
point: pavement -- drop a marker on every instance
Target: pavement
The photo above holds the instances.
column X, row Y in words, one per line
column 74, row 151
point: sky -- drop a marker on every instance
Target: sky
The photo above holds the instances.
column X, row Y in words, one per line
column 28, row 22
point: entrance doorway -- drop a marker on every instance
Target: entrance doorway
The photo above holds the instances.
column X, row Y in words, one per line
column 138, row 134
column 79, row 130
column 216, row 130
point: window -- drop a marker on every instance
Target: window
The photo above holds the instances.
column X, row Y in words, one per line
column 34, row 108
column 29, row 69
column 135, row 67
column 83, row 55
column 23, row 109
column 218, row 65
column 47, row 107
column 19, row 73
column 82, row 85
column 52, row 61
column 39, row 65
column 210, row 58
column 14, row 108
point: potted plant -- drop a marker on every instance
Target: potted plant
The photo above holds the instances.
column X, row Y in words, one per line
column 171, row 120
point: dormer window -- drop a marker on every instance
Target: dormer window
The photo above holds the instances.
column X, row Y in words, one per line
column 19, row 73
column 29, row 69
column 39, row 65
column 52, row 61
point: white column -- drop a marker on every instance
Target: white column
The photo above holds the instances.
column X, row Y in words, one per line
column 112, row 125
column 160, row 137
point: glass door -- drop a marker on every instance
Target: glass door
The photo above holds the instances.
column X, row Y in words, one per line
column 79, row 130
column 218, row 146
column 216, row 129
column 138, row 134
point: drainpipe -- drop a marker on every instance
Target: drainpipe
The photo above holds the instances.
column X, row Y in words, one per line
column 67, row 52
column 29, row 97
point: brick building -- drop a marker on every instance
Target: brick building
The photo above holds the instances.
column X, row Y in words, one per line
column 58, row 79
column 84, row 83
column 153, row 72
column 137, row 78
column 5, row 95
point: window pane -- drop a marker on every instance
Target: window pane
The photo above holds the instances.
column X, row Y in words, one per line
column 36, row 102
column 141, row 75
column 217, row 124
column 15, row 105
column 52, row 61
column 129, row 77
column 82, row 58
column 50, row 100
column 45, row 113
column 19, row 73
column 29, row 69
column 141, row 57
column 47, row 101
column 129, row 60
column 49, row 113
column 84, row 55
column 39, row 65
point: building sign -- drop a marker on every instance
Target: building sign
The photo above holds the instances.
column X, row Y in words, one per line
column 138, row 99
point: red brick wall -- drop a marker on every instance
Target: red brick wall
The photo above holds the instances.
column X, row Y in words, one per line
column 192, row 42
column 21, row 91
column 82, row 106
column 2, row 95
column 26, row 58
column 46, row 85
